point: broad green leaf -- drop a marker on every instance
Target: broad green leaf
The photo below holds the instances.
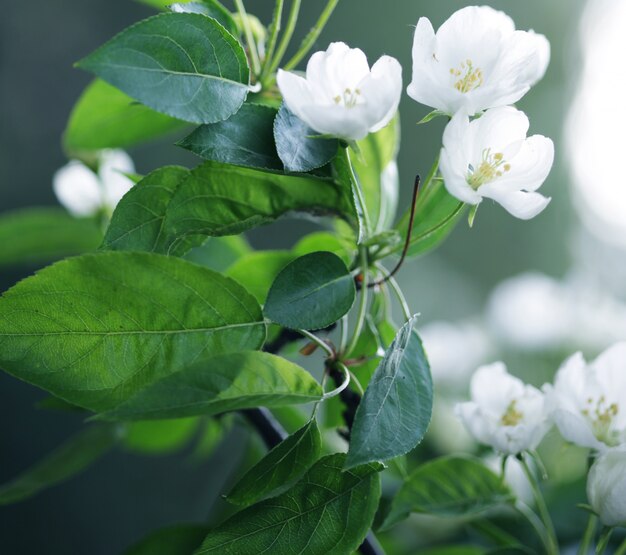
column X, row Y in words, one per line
column 454, row 486
column 298, row 147
column 181, row 64
column 173, row 540
column 95, row 329
column 395, row 411
column 377, row 173
column 66, row 461
column 244, row 139
column 311, row 293
column 219, row 253
column 105, row 117
column 158, row 437
column 326, row 241
column 223, row 383
column 42, row 235
column 281, row 468
column 328, row 511
column 172, row 207
column 258, row 270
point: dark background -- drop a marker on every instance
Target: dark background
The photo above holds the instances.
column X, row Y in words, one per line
column 124, row 496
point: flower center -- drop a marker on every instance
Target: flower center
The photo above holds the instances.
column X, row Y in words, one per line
column 600, row 414
column 349, row 98
column 512, row 417
column 491, row 167
column 467, row 77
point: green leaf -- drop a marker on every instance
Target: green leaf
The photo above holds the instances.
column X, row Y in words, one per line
column 219, row 253
column 328, row 511
column 223, row 383
column 172, row 207
column 326, row 241
column 104, row 117
column 431, row 116
column 244, row 139
column 158, row 437
column 258, row 270
column 66, row 461
column 454, row 486
column 95, row 329
column 281, row 468
column 173, row 540
column 311, row 293
column 184, row 65
column 395, row 411
column 41, row 235
column 298, row 147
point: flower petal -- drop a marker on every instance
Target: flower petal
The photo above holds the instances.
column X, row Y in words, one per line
column 113, row 165
column 77, row 188
column 382, row 91
column 520, row 204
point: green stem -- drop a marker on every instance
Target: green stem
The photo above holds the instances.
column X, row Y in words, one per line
column 254, row 53
column 343, row 386
column 395, row 287
column 313, row 35
column 343, row 338
column 603, row 542
column 587, row 538
column 318, row 342
column 536, row 523
column 273, row 38
column 356, row 187
column 621, row 550
column 553, row 544
column 287, row 35
column 362, row 313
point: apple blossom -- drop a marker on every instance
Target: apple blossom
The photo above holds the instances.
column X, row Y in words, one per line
column 588, row 401
column 504, row 412
column 84, row 193
column 341, row 96
column 606, row 488
column 490, row 157
column 475, row 61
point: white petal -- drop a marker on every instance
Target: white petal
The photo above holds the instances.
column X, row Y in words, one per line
column 497, row 129
column 78, row 189
column 454, row 181
column 350, row 124
column 296, row 93
column 382, row 91
column 493, row 388
column 520, row 204
column 113, row 165
column 474, row 22
column 576, row 429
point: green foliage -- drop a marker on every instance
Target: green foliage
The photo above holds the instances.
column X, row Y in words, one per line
column 219, row 253
column 105, row 117
column 172, row 207
column 258, row 270
column 66, row 461
column 281, row 468
column 95, row 329
column 305, row 519
column 325, row 241
column 395, row 411
column 158, row 437
column 244, row 139
column 220, row 384
column 173, row 540
column 184, row 65
column 454, row 486
column 41, row 235
column 311, row 293
column 298, row 147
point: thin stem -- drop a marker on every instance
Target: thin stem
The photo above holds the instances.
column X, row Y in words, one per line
column 342, row 386
column 254, row 53
column 621, row 550
column 359, row 194
column 587, row 538
column 343, row 338
column 395, row 287
column 287, row 35
column 312, row 35
column 273, row 38
column 362, row 313
column 536, row 523
column 544, row 514
column 407, row 241
column 319, row 342
column 605, row 538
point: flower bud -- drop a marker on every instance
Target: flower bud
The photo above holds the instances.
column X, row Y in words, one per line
column 606, row 488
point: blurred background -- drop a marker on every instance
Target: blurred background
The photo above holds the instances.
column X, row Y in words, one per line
column 529, row 293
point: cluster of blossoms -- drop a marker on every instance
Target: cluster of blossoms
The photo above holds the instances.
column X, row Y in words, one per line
column 476, row 64
column 587, row 403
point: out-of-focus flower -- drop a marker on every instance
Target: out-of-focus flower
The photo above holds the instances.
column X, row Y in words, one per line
column 446, row 432
column 455, row 350
column 588, row 401
column 490, row 157
column 85, row 193
column 514, row 477
column 341, row 96
column 475, row 61
column 504, row 412
column 606, row 488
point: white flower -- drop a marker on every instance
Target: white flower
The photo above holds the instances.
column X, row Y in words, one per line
column 504, row 412
column 514, row 476
column 588, row 401
column 490, row 157
column 477, row 60
column 340, row 95
column 84, row 193
column 606, row 488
